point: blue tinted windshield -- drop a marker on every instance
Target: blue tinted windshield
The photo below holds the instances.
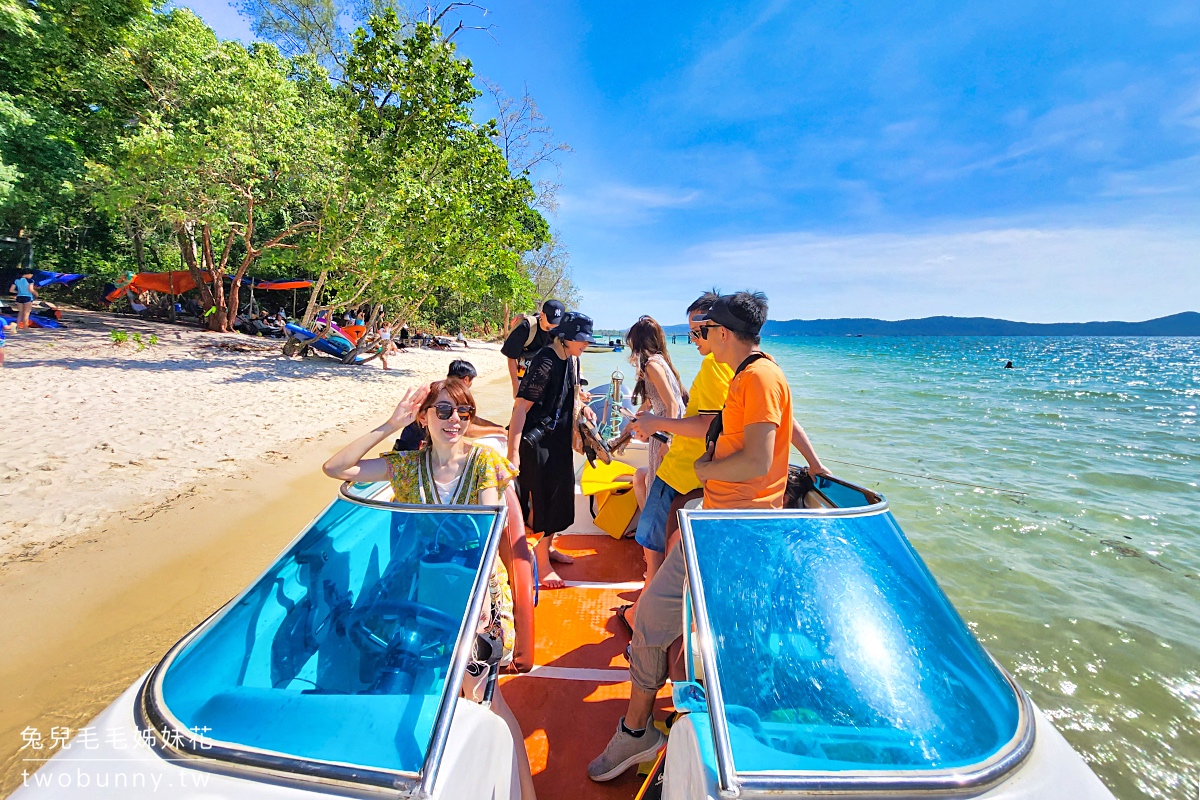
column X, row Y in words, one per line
column 837, row 651
column 340, row 651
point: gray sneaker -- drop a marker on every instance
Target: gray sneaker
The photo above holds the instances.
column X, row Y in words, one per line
column 624, row 751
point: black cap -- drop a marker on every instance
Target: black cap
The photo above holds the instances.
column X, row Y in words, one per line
column 575, row 327
column 722, row 314
column 554, row 311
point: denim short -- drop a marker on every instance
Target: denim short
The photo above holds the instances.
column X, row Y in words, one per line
column 652, row 527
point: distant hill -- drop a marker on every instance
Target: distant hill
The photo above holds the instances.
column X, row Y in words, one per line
column 1185, row 324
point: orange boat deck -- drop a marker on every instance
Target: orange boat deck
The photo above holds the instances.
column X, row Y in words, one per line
column 569, row 704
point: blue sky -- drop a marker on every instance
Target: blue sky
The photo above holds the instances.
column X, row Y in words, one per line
column 1029, row 160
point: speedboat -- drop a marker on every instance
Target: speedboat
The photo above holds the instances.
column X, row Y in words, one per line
column 819, row 658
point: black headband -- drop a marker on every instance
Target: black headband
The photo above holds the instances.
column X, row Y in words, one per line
column 721, row 314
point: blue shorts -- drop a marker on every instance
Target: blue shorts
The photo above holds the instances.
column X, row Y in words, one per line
column 652, row 527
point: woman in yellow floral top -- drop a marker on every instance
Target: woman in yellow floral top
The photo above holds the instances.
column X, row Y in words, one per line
column 449, row 469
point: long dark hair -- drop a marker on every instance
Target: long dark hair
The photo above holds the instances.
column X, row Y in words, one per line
column 645, row 339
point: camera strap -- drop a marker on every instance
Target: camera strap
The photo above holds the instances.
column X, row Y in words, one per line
column 717, row 426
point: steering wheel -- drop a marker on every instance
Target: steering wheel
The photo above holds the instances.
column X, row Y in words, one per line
column 364, row 630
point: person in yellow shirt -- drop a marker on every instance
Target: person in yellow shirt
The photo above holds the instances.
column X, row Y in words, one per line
column 676, row 474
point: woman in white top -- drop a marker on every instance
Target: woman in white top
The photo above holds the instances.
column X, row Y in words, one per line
column 658, row 389
column 386, row 346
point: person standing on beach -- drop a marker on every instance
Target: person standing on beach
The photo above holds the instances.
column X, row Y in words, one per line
column 25, row 290
column 745, row 465
column 539, row 439
column 386, row 346
column 528, row 337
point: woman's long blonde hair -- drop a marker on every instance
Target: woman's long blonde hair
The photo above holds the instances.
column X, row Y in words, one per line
column 646, row 338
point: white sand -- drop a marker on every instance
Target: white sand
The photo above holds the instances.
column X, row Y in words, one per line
column 94, row 432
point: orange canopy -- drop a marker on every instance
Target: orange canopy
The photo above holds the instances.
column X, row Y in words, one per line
column 176, row 282
column 180, row 281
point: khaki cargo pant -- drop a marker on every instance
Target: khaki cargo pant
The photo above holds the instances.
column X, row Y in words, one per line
column 658, row 623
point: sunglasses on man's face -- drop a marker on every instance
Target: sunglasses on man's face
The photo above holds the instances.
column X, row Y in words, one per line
column 701, row 332
column 444, row 410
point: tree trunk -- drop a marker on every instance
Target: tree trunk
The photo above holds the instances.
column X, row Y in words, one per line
column 138, row 249
column 187, row 249
column 236, row 285
column 216, row 321
column 313, row 297
column 360, row 345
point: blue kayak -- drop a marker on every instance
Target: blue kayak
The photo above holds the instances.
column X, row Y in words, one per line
column 332, row 344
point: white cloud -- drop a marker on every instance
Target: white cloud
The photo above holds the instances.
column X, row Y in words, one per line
column 622, row 204
column 1031, row 274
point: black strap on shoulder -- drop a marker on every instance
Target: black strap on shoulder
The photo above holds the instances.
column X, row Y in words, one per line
column 717, row 425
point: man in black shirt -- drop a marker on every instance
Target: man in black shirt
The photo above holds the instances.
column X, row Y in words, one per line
column 524, row 341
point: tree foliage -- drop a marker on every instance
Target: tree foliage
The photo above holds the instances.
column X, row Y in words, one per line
column 135, row 137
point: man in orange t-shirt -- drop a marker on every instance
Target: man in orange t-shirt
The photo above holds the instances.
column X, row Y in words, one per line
column 747, row 465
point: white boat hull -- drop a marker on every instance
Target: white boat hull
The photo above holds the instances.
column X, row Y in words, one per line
column 479, row 764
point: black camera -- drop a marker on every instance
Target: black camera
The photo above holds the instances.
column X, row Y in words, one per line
column 534, row 435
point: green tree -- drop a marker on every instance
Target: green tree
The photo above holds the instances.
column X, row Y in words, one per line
column 225, row 156
column 51, row 122
column 444, row 218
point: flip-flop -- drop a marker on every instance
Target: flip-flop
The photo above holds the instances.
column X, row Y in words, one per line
column 620, row 614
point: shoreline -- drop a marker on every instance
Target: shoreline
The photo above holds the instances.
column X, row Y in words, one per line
column 109, row 433
column 99, row 611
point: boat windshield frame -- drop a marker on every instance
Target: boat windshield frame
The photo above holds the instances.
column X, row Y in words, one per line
column 179, row 742
column 732, row 783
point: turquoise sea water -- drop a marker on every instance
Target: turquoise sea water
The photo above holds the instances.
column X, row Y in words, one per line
column 1086, row 587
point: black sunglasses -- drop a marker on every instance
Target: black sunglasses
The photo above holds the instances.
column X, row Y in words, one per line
column 701, row 332
column 444, row 410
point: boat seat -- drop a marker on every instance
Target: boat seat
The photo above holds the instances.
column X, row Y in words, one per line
column 814, row 499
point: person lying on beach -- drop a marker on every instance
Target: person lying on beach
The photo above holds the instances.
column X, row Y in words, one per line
column 449, row 470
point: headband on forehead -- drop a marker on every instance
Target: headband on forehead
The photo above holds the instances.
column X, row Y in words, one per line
column 721, row 314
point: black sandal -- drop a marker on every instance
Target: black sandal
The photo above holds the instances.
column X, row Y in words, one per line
column 620, row 614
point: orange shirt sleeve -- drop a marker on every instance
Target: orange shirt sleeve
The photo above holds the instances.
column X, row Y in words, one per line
column 765, row 395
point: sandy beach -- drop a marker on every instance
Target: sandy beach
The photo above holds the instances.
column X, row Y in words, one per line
column 146, row 551
column 101, row 433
